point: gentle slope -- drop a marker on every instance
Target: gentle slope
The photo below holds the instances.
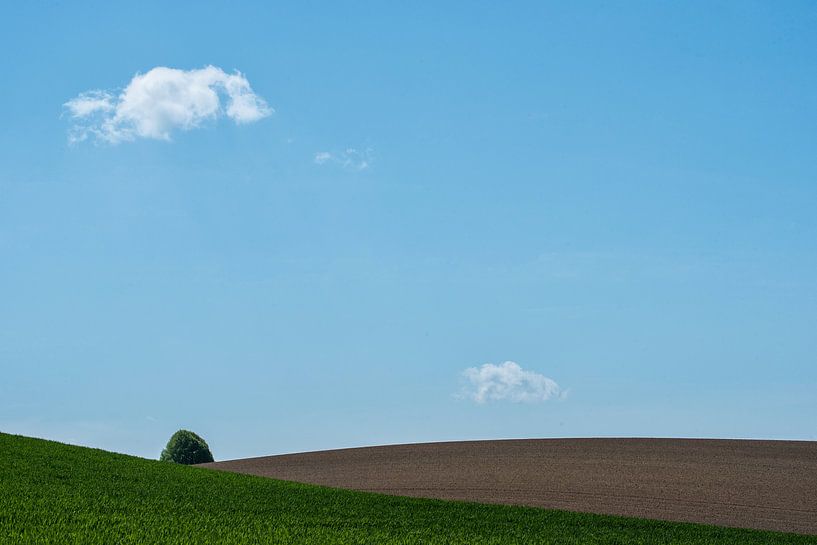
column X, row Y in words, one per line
column 55, row 493
column 769, row 485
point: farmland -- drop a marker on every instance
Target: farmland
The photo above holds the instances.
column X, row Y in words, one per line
column 767, row 485
column 55, row 493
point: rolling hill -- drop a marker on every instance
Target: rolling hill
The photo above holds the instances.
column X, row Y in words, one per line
column 770, row 485
column 51, row 493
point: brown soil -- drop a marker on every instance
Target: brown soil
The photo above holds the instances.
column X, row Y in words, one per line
column 753, row 484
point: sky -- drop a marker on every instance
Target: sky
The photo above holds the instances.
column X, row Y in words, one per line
column 321, row 225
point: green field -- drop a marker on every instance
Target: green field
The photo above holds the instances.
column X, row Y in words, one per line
column 61, row 494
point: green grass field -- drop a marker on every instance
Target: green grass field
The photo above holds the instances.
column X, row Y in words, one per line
column 55, row 493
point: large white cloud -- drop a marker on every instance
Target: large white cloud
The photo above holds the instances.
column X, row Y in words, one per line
column 508, row 382
column 163, row 100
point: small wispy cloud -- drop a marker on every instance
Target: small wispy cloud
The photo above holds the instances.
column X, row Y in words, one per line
column 508, row 382
column 350, row 158
column 322, row 156
column 161, row 101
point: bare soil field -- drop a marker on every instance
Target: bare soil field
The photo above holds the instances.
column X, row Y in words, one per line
column 769, row 485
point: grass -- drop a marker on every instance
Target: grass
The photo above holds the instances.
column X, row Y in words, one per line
column 61, row 494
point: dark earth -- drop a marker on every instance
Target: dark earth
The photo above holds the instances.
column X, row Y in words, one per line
column 769, row 485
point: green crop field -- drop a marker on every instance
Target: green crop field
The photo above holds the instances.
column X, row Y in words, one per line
column 55, row 493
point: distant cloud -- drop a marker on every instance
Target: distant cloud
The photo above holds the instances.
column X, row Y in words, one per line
column 161, row 101
column 508, row 382
column 350, row 158
column 322, row 156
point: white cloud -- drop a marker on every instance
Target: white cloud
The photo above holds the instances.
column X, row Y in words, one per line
column 350, row 158
column 89, row 103
column 322, row 156
column 508, row 382
column 163, row 100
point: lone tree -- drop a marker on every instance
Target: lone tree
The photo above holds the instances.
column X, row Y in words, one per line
column 185, row 447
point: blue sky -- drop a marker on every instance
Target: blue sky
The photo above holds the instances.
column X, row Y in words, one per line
column 618, row 197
